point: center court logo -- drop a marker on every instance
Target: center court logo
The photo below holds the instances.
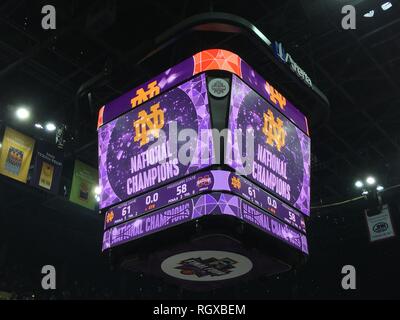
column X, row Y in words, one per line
column 206, row 266
column 212, row 267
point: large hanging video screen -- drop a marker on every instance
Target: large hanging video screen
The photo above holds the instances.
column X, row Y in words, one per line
column 197, row 207
column 138, row 151
column 280, row 161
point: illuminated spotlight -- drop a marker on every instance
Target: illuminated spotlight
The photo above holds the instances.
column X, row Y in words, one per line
column 365, row 193
column 22, row 113
column 51, row 127
column 386, row 6
column 369, row 14
column 370, row 180
column 359, row 184
column 97, row 190
column 379, row 188
column 39, row 126
column 97, row 198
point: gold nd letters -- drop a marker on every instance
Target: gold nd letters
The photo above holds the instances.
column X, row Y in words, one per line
column 236, row 183
column 274, row 130
column 141, row 96
column 275, row 96
column 149, row 124
column 110, row 216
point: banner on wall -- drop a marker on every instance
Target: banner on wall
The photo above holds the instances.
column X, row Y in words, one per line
column 16, row 155
column 84, row 181
column 47, row 168
column 380, row 226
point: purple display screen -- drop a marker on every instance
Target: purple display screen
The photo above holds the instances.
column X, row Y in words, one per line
column 137, row 152
column 215, row 180
column 280, row 160
column 214, row 59
column 197, row 207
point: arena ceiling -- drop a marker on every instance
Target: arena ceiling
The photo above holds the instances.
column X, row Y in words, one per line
column 358, row 70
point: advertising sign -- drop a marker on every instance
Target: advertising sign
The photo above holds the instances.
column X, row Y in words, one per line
column 281, row 160
column 215, row 180
column 139, row 152
column 48, row 167
column 84, row 181
column 200, row 206
column 16, row 155
column 380, row 226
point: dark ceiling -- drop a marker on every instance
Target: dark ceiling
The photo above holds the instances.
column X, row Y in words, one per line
column 358, row 70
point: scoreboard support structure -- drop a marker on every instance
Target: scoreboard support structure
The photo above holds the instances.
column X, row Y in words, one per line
column 205, row 172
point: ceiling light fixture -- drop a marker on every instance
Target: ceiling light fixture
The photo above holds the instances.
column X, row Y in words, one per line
column 370, row 181
column 22, row 113
column 359, row 184
column 51, row 127
column 386, row 6
column 369, row 14
column 97, row 190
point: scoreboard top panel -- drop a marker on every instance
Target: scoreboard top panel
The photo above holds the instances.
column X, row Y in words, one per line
column 213, row 59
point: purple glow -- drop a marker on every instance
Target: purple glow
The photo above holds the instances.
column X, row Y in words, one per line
column 196, row 208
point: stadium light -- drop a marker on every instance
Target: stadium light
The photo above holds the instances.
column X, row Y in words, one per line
column 22, row 113
column 359, row 184
column 51, row 127
column 97, row 190
column 370, row 181
column 386, row 6
column 39, row 126
column 379, row 188
column 369, row 14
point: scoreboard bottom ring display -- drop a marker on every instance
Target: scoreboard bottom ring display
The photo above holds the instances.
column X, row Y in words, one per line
column 205, row 239
column 207, row 254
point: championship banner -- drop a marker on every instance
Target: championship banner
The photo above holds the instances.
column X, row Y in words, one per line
column 138, row 151
column 84, row 181
column 280, row 162
column 200, row 206
column 48, row 167
column 16, row 155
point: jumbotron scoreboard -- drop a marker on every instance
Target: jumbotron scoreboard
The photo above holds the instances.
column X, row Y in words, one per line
column 205, row 175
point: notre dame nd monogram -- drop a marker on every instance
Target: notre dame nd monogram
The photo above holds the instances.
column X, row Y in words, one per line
column 274, row 130
column 142, row 96
column 149, row 124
